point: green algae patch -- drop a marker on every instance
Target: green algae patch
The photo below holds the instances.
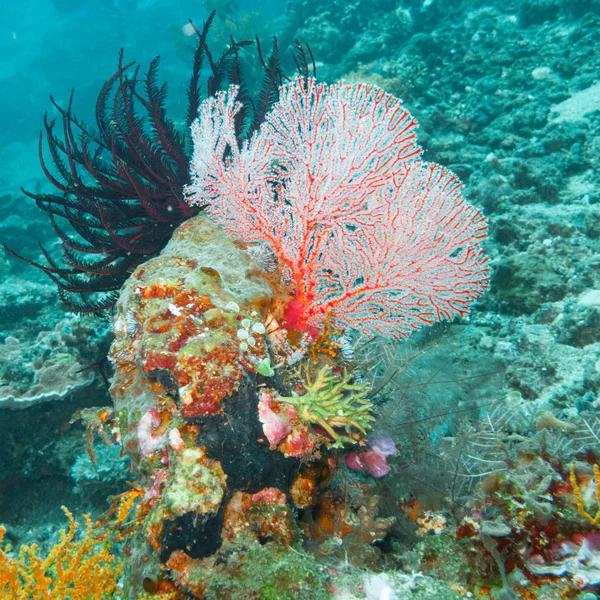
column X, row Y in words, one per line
column 247, row 570
column 197, row 484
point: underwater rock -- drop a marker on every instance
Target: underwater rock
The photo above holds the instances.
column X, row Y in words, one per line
column 214, row 433
column 246, row 569
column 179, row 316
column 342, row 32
column 524, row 282
column 579, row 325
column 24, row 301
column 264, row 515
column 579, row 105
column 110, row 471
column 188, row 353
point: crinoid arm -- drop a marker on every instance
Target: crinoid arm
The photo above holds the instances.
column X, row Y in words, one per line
column 119, row 185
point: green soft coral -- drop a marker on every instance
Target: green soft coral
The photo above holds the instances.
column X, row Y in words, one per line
column 334, row 402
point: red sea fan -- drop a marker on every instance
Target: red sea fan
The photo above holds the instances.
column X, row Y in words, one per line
column 367, row 234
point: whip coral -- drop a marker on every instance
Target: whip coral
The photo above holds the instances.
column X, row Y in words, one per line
column 365, row 232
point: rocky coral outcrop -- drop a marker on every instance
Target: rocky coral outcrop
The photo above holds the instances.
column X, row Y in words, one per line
column 188, row 354
column 216, row 464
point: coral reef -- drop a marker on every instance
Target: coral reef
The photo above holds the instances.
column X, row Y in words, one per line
column 185, row 369
column 253, row 487
column 50, row 369
column 247, row 569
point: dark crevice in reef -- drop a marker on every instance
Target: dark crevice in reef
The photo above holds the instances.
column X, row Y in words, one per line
column 233, row 439
column 236, row 439
column 204, row 541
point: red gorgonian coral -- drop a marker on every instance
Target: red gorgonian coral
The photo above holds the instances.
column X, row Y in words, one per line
column 366, row 233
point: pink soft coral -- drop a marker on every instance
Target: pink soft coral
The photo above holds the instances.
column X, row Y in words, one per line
column 364, row 230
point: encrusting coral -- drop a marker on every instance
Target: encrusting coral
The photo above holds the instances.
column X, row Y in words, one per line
column 52, row 366
column 180, row 317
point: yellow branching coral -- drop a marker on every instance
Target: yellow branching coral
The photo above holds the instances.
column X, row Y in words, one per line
column 334, row 402
column 74, row 569
column 577, row 491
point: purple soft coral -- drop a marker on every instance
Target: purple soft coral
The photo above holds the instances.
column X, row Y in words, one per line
column 374, row 459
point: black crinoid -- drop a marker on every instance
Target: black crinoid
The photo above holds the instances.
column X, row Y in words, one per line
column 120, row 189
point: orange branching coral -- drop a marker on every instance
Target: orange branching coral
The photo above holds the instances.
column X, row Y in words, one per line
column 74, row 569
column 324, row 342
column 577, row 491
column 127, row 513
column 125, row 503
